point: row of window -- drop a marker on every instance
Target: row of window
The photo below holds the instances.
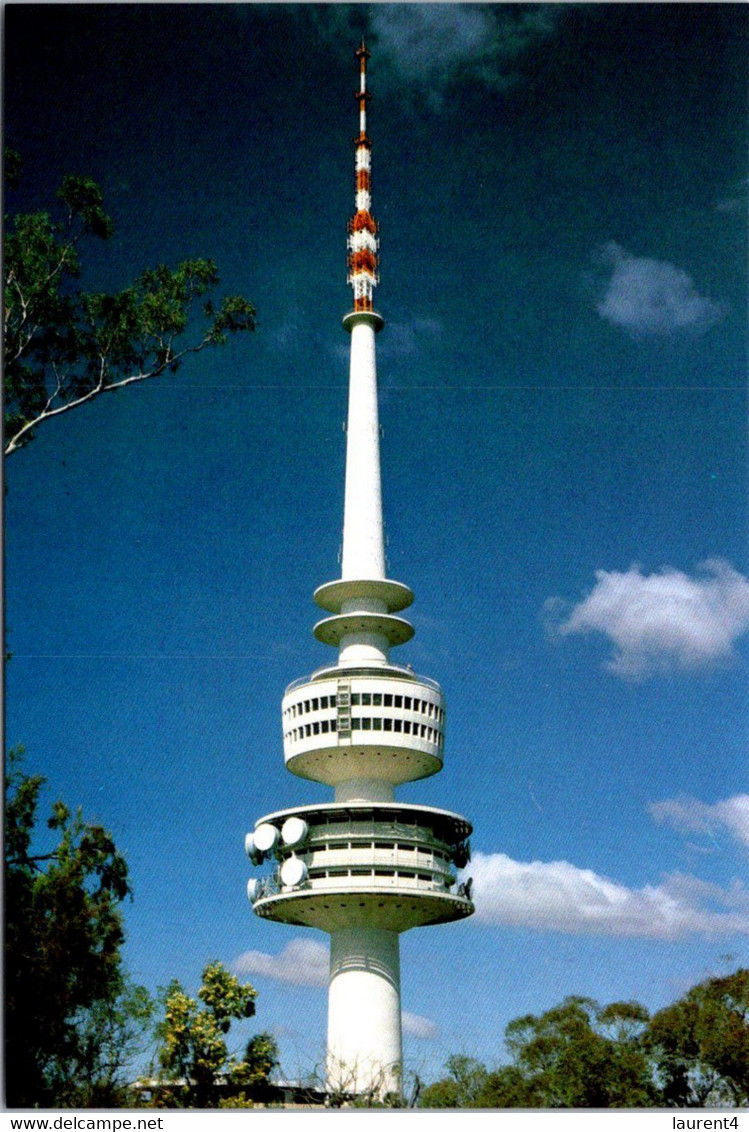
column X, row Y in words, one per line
column 408, row 703
column 423, row 854
column 403, row 726
column 363, row 833
column 367, row 699
column 398, row 830
column 394, row 875
column 332, row 840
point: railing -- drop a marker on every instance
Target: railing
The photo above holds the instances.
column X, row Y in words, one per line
column 391, row 672
column 341, row 881
column 421, row 837
column 268, row 886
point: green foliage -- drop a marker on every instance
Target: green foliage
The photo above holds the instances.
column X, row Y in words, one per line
column 510, row 1087
column 72, row 1019
column 110, row 1034
column 442, row 1094
column 700, row 1044
column 63, row 346
column 580, row 1055
column 248, row 1078
column 466, row 1078
column 570, row 1063
column 576, row 1055
column 192, row 1050
column 261, row 1058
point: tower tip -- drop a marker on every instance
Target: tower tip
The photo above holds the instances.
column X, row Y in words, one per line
column 363, row 259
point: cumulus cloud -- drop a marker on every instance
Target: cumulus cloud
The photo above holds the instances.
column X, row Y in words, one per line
column 302, row 963
column 558, row 896
column 418, row 1026
column 665, row 621
column 690, row 815
column 649, row 297
column 433, row 45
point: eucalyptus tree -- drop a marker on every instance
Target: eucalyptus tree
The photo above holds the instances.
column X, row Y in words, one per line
column 63, row 346
column 700, row 1044
column 73, row 1021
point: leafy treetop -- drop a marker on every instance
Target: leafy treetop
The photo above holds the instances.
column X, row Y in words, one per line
column 65, row 347
column 192, row 1050
column 70, row 1012
column 693, row 1053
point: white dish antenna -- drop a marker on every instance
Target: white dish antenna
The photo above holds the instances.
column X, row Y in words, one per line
column 265, row 837
column 294, row 831
column 293, row 872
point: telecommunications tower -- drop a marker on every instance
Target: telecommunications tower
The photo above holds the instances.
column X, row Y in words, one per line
column 363, row 867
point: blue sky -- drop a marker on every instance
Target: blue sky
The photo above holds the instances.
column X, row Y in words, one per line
column 562, row 198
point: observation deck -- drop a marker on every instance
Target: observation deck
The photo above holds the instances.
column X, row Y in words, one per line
column 364, row 723
column 387, row 866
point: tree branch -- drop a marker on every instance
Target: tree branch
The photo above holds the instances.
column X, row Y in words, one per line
column 47, row 413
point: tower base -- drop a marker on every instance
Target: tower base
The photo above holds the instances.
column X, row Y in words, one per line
column 364, row 1013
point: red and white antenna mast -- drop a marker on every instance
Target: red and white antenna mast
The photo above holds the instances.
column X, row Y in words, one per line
column 362, row 228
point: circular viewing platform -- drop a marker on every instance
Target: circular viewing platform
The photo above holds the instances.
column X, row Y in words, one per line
column 395, row 630
column 380, row 865
column 372, row 318
column 343, row 724
column 334, row 595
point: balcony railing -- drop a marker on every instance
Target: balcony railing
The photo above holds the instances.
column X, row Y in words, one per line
column 391, row 672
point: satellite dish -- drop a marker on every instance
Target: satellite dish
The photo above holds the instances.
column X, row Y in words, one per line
column 462, row 854
column 293, row 872
column 469, row 888
column 294, row 831
column 252, row 850
column 253, row 887
column 265, row 837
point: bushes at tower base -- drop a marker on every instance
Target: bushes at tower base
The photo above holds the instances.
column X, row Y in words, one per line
column 195, row 1067
column 694, row 1053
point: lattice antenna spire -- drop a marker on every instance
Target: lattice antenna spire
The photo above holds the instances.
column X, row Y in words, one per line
column 363, row 244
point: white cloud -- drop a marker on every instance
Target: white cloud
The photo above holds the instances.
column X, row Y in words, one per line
column 405, row 338
column 400, row 340
column 418, row 1026
column 302, row 963
column 690, row 815
column 433, row 45
column 558, row 896
column 731, row 204
column 288, row 333
column 737, row 200
column 665, row 621
column 649, row 297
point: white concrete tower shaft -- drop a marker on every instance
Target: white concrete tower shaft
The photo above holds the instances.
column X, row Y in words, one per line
column 364, row 1012
column 364, row 1044
column 363, row 530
